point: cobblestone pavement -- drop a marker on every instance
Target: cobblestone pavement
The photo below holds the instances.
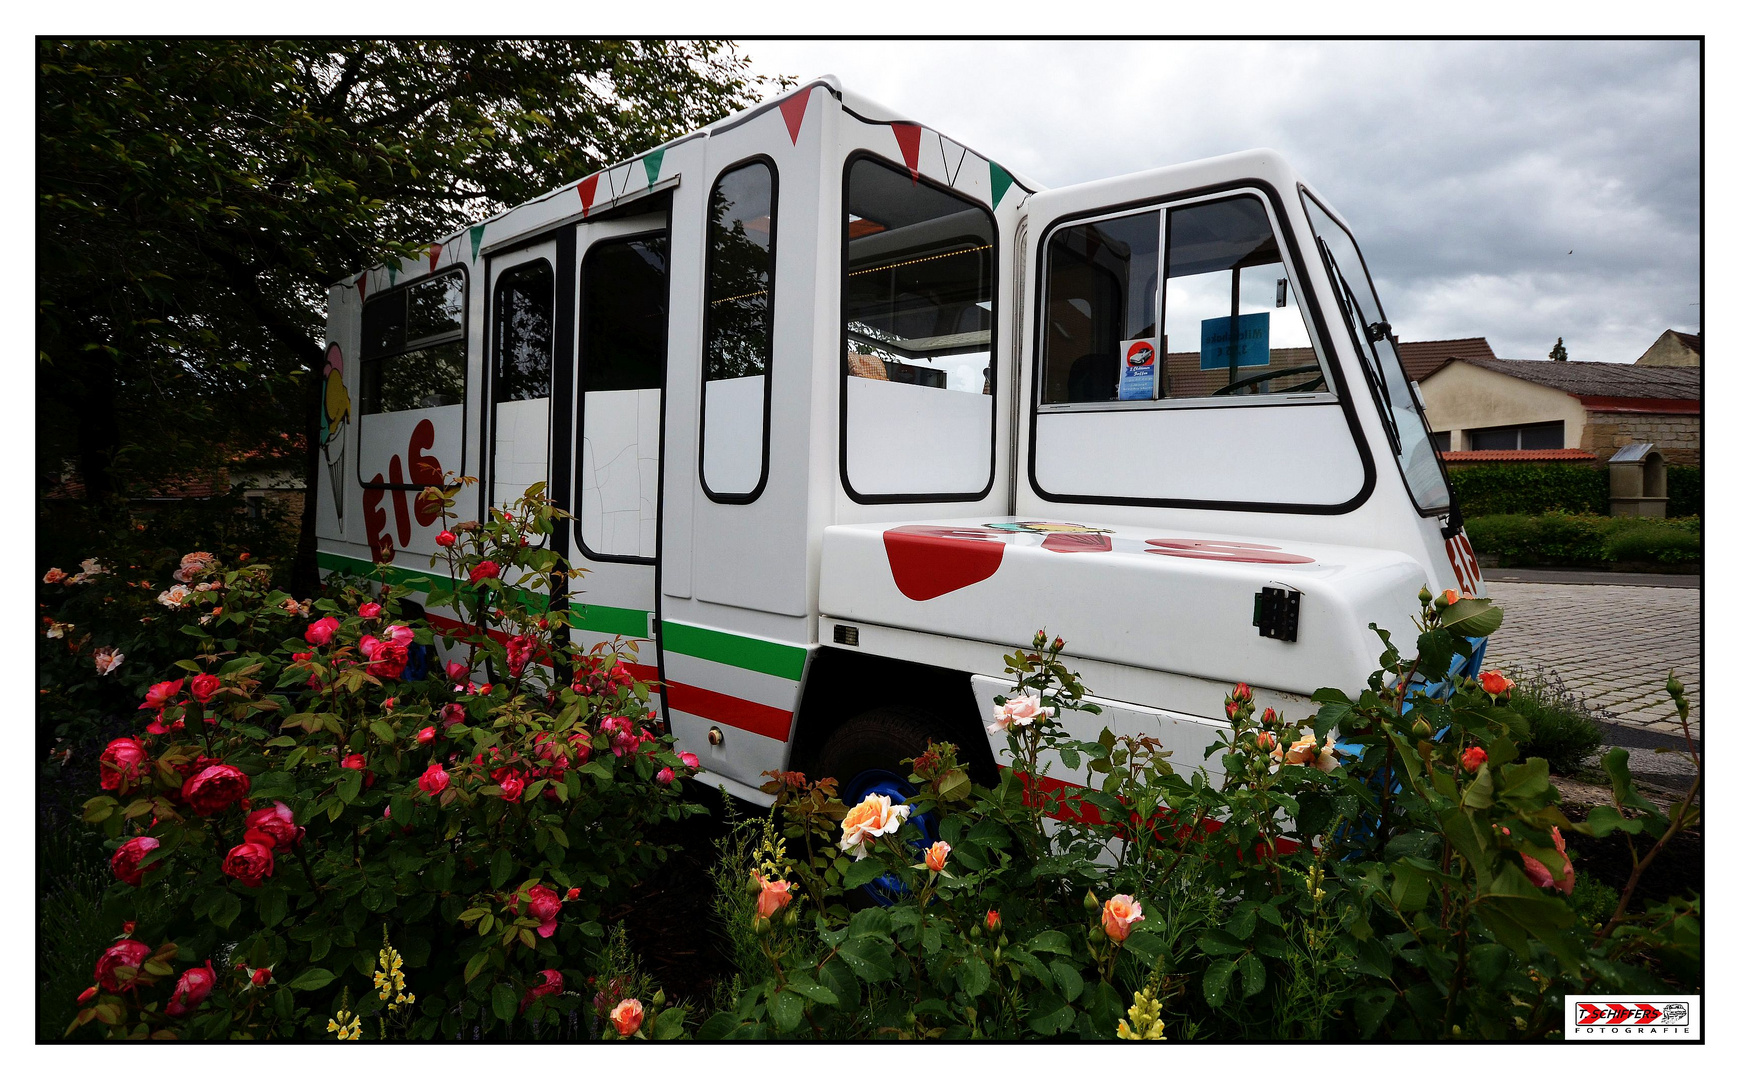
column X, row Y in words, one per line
column 1614, row 644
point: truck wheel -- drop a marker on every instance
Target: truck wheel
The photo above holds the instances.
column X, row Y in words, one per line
column 865, row 756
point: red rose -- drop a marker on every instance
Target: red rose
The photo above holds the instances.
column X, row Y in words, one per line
column 993, row 921
column 251, row 860
column 277, row 822
column 360, row 764
column 485, row 569
column 320, row 631
column 204, row 686
column 1473, row 758
column 369, row 610
column 426, row 736
column 261, row 976
column 121, row 955
column 446, row 538
column 89, row 991
column 122, row 762
column 194, row 986
column 125, row 861
column 552, row 984
column 388, row 660
column 434, row 779
column 161, row 693
column 511, row 787
column 573, row 894
column 543, row 905
column 301, row 657
column 215, row 788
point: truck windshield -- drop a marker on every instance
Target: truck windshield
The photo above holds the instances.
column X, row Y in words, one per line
column 1404, row 420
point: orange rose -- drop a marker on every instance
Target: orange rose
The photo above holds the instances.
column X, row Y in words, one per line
column 1451, row 596
column 774, row 895
column 1494, row 683
column 627, row 1016
column 1119, row 916
column 937, row 857
column 877, row 815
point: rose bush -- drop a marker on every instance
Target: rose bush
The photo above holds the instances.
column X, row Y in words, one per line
column 298, row 789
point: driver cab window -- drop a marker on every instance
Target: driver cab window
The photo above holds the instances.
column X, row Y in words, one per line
column 1224, row 282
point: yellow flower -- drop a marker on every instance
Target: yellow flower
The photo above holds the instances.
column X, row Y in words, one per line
column 1144, row 1022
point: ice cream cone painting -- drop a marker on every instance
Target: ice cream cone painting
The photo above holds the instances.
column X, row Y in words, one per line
column 334, row 418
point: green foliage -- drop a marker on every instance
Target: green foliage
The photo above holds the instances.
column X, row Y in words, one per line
column 1529, row 488
column 1685, row 491
column 1555, row 539
column 1560, row 728
column 197, row 196
column 482, row 830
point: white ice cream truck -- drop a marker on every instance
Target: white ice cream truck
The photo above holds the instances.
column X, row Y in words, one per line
column 845, row 410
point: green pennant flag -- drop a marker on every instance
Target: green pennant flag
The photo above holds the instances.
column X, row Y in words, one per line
column 393, row 267
column 476, row 239
column 653, row 162
column 1000, row 181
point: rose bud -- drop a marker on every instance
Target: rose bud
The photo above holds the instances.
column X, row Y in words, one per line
column 426, row 736
column 1421, row 730
column 1473, row 758
column 1270, row 718
column 937, row 856
column 458, row 672
column 122, row 954
column 665, row 775
column 446, row 538
column 1494, row 683
column 125, row 861
column 194, row 986
column 993, row 921
column 1119, row 916
column 369, row 610
column 360, row 764
column 689, row 759
column 573, row 894
column 215, row 788
column 772, row 896
column 261, row 976
column 88, row 993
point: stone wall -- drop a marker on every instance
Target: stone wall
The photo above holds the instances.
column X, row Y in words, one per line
column 1679, row 436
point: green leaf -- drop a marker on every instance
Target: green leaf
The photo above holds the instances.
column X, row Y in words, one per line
column 501, row 867
column 786, row 1008
column 1525, row 781
column 816, row 992
column 1216, row 980
column 1052, row 941
column 975, row 976
column 311, row 979
column 868, row 959
column 862, row 873
column 503, row 1001
column 1251, row 975
column 1411, row 888
column 1604, row 819
column 475, row 964
column 669, row 1025
column 1244, row 920
column 1217, row 942
column 350, row 785
column 1050, row 1016
column 1370, row 1007
column 273, row 904
column 382, row 730
column 225, row 910
column 1473, row 617
column 1069, row 981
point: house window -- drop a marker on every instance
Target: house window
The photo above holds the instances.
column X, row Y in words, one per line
column 1441, row 441
column 1519, row 437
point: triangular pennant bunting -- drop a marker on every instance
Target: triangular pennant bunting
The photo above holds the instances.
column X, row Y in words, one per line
column 393, row 268
column 1000, row 181
column 476, row 239
column 793, row 108
column 953, row 172
column 362, row 285
column 653, row 162
column 907, row 135
column 434, row 256
column 588, row 189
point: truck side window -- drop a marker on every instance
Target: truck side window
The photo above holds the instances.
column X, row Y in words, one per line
column 920, row 305
column 737, row 342
column 525, row 303
column 1101, row 293
column 413, row 347
column 1225, row 283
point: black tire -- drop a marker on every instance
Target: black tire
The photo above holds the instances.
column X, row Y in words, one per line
column 884, row 737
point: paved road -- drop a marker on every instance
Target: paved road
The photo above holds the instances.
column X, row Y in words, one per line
column 1614, row 644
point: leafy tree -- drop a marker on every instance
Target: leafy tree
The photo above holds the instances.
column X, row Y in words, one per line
column 1559, row 352
column 196, row 197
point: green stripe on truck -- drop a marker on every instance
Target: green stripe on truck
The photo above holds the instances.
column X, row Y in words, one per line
column 767, row 657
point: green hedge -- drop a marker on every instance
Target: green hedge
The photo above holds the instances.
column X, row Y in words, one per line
column 1585, row 540
column 1685, row 491
column 1527, row 488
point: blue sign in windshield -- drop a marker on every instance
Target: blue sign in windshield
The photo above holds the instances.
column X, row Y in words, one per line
column 1253, row 346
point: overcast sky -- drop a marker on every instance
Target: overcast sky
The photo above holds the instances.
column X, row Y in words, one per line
column 1519, row 191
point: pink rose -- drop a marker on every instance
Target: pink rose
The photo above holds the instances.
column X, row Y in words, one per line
column 121, row 764
column 1019, row 711
column 689, row 759
column 937, row 856
column 119, row 965
column 161, row 694
column 544, row 905
column 277, row 822
column 54, row 576
column 434, row 779
column 485, row 569
column 320, row 631
column 773, row 896
column 125, row 861
column 511, row 788
column 458, row 672
column 204, row 686
column 452, row 713
column 1119, row 915
column 1564, row 880
column 665, row 775
column 107, row 658
column 627, row 1016
column 250, row 861
column 194, row 986
column 426, row 736
column 215, row 788
column 369, row 610
column 552, row 983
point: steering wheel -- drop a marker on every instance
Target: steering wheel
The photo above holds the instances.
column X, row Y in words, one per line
column 1315, row 384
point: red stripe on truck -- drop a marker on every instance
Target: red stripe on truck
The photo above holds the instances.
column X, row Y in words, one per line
column 733, row 711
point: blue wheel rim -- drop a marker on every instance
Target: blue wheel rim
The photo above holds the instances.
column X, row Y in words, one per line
column 887, row 889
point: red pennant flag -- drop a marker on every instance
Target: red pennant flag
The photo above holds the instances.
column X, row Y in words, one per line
column 362, row 284
column 907, row 135
column 434, row 256
column 587, row 189
column 793, row 108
